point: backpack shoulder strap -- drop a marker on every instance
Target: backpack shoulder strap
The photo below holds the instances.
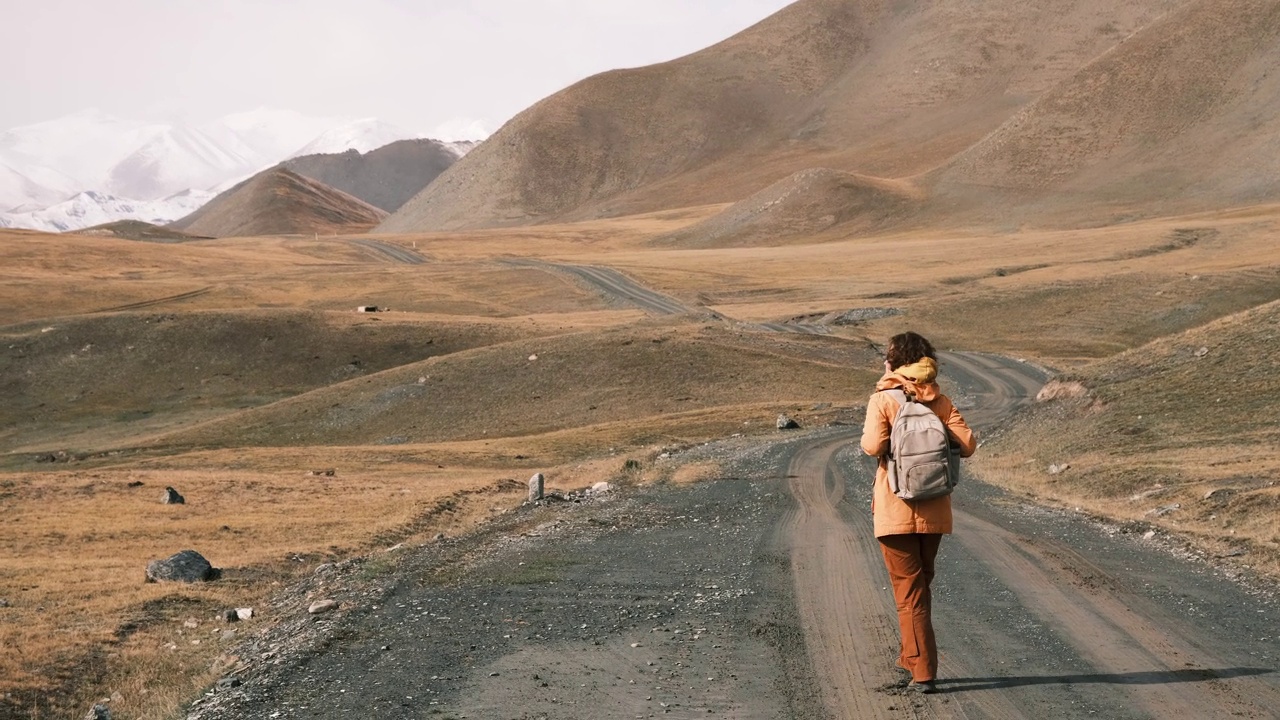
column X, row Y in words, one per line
column 897, row 394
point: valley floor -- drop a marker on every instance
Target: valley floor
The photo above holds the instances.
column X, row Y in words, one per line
column 761, row 594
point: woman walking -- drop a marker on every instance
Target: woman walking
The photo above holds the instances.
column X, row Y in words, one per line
column 910, row 531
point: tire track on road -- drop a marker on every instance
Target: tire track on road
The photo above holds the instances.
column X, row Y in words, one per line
column 1113, row 630
column 1097, row 644
column 846, row 627
column 846, row 611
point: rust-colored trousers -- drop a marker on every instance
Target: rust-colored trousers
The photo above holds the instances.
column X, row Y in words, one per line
column 909, row 559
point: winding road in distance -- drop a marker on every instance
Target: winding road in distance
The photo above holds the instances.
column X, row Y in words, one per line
column 614, row 284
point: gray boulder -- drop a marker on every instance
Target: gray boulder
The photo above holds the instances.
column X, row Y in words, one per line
column 171, row 497
column 537, row 487
column 786, row 422
column 187, row 566
column 98, row 712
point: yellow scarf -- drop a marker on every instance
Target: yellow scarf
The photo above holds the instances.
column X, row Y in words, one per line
column 922, row 373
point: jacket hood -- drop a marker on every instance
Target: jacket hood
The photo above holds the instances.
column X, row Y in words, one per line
column 918, row 379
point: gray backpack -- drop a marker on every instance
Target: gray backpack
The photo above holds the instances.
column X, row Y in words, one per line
column 922, row 463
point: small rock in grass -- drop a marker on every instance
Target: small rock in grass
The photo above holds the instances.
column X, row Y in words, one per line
column 786, row 422
column 171, row 497
column 187, row 566
column 322, row 606
column 99, row 712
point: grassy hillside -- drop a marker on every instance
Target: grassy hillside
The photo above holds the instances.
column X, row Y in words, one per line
column 1182, row 432
column 550, row 383
column 96, row 381
column 278, row 201
column 884, row 90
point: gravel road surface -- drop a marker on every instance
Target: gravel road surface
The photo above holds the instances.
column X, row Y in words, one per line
column 762, row 595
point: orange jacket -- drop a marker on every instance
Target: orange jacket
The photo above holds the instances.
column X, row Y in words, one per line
column 891, row 514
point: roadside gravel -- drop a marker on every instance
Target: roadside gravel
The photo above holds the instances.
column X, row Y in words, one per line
column 655, row 601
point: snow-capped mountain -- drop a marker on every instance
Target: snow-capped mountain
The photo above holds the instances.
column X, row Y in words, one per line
column 361, row 135
column 83, row 145
column 174, row 158
column 273, row 134
column 91, row 167
column 93, row 208
column 461, row 147
column 17, row 189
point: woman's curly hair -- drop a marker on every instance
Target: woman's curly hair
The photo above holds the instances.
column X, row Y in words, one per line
column 908, row 348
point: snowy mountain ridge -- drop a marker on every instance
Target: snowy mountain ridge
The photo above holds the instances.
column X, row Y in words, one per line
column 91, row 208
column 93, row 165
column 365, row 135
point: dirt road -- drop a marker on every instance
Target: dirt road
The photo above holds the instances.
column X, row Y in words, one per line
column 612, row 284
column 1039, row 613
column 619, row 287
column 762, row 595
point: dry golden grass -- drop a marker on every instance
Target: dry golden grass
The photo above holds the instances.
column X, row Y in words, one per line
column 1183, row 432
column 544, row 384
column 81, row 536
column 77, row 542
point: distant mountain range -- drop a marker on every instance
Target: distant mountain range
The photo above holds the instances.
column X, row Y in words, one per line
column 91, row 167
column 91, row 208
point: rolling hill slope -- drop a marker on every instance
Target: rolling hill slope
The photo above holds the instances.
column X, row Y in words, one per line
column 1183, row 116
column 386, row 177
column 881, row 89
column 280, row 202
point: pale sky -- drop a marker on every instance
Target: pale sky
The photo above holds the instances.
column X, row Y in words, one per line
column 425, row 65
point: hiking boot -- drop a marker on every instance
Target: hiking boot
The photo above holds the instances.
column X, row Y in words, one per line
column 925, row 687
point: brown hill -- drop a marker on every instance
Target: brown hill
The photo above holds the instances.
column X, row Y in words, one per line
column 877, row 88
column 1182, row 116
column 1203, row 464
column 138, row 230
column 137, row 372
column 547, row 384
column 277, row 201
column 800, row 206
column 384, row 178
